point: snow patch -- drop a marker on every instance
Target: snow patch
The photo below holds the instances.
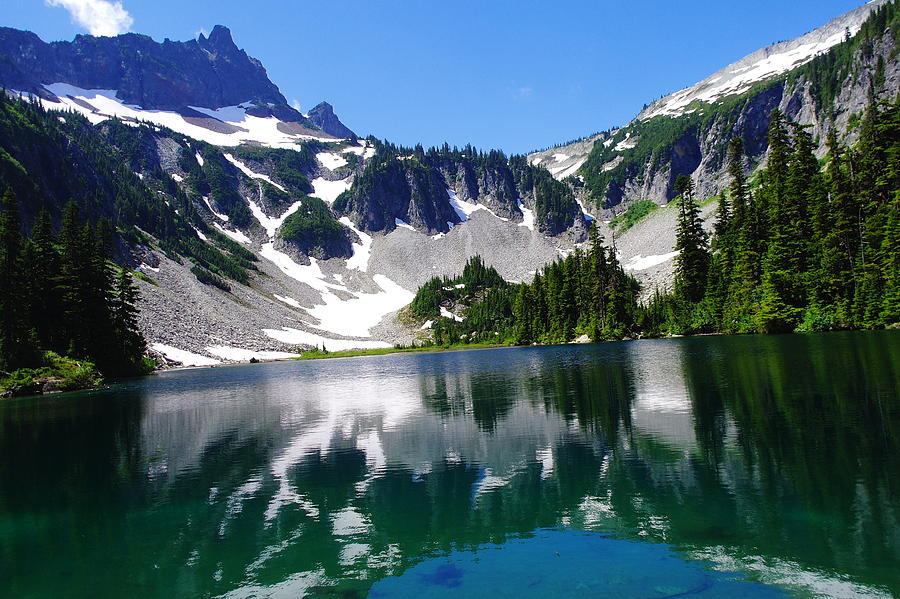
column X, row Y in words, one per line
column 328, row 191
column 185, row 357
column 287, row 300
column 330, row 160
column 236, row 235
column 464, row 210
column 237, row 354
column 298, row 337
column 527, row 216
column 589, row 217
column 101, row 104
column 448, row 314
column 220, row 216
column 361, row 251
column 639, row 262
column 401, row 223
column 199, row 233
column 178, row 178
column 246, row 170
column 310, row 275
column 268, row 223
column 763, row 64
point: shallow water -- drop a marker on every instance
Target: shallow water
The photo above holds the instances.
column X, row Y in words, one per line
column 715, row 467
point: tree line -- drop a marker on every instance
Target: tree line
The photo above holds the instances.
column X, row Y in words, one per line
column 804, row 245
column 62, row 293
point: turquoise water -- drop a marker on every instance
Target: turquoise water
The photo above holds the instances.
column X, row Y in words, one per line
column 566, row 564
column 718, row 466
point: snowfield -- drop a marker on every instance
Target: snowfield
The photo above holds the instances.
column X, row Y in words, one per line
column 226, row 126
column 328, row 191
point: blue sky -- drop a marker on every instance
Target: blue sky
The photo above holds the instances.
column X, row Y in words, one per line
column 514, row 74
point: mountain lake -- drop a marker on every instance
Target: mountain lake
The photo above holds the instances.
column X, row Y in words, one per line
column 743, row 466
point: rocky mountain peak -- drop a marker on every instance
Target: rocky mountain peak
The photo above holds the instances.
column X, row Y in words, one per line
column 210, row 72
column 322, row 115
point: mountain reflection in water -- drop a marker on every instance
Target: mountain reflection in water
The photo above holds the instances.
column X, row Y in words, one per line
column 772, row 456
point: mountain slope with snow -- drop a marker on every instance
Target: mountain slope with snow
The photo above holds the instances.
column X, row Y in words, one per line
column 735, row 79
column 768, row 62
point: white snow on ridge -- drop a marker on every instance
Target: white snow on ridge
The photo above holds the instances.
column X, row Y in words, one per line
column 105, row 104
column 185, row 357
column 559, row 157
column 246, row 170
column 328, row 191
column 199, row 233
column 199, row 159
column 768, row 62
column 626, row 144
column 583, row 211
column 356, row 316
column 463, row 209
column 311, row 275
column 361, row 251
column 562, row 173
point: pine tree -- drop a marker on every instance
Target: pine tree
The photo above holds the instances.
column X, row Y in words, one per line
column 40, row 266
column 131, row 343
column 691, row 243
column 17, row 341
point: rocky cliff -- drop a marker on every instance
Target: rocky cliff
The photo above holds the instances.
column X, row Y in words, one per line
column 209, row 72
column 821, row 79
column 322, row 115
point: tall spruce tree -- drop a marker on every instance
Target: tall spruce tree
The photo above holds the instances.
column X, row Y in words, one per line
column 691, row 243
column 17, row 340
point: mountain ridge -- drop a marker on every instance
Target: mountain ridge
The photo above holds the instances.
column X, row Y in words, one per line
column 264, row 234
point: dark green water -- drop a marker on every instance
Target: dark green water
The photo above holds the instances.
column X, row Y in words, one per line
column 719, row 466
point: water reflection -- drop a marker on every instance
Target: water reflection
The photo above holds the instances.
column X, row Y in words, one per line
column 775, row 456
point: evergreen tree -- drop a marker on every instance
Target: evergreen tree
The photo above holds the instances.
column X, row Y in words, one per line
column 131, row 343
column 691, row 243
column 17, row 343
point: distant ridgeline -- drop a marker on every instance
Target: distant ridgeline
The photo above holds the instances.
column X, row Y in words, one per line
column 798, row 248
column 411, row 184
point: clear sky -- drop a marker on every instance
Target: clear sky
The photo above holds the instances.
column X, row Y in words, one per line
column 513, row 74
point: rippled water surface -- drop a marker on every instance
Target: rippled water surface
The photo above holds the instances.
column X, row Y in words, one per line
column 708, row 467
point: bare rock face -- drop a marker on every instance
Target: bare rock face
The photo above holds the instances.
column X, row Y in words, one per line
column 623, row 166
column 209, row 72
column 323, row 117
